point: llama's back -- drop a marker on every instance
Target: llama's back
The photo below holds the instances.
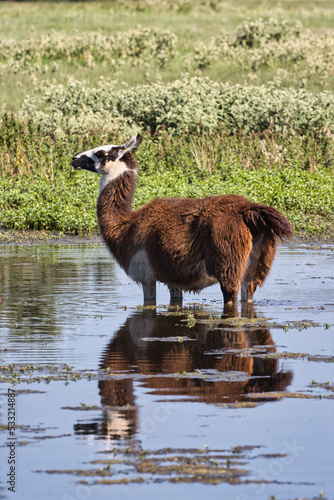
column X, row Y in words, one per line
column 182, row 228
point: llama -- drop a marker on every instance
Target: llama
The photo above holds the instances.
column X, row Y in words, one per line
column 188, row 244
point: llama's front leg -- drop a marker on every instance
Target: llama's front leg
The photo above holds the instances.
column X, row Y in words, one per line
column 150, row 293
column 175, row 296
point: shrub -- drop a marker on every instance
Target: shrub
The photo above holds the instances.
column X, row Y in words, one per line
column 258, row 32
column 90, row 47
column 187, row 105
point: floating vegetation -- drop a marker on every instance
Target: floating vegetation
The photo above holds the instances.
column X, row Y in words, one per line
column 323, row 359
column 214, row 375
column 328, row 386
column 239, row 404
column 236, row 322
column 173, row 465
column 296, row 325
column 84, row 407
column 167, row 339
column 280, row 395
column 244, row 323
column 16, row 373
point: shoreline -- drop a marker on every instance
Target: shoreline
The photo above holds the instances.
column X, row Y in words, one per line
column 34, row 237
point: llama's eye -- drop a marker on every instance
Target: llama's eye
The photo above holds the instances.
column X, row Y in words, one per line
column 101, row 154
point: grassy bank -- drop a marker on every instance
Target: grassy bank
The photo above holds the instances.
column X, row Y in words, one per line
column 40, row 190
column 253, row 115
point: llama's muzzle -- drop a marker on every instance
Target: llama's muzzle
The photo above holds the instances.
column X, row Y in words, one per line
column 76, row 162
column 83, row 162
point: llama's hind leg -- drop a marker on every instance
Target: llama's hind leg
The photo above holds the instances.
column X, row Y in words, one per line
column 258, row 266
column 229, row 280
column 227, row 263
column 249, row 283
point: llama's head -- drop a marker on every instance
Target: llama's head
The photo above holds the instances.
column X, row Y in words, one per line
column 110, row 161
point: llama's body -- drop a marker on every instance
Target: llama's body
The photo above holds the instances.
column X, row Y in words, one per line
column 188, row 244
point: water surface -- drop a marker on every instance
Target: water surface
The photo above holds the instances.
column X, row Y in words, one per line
column 114, row 399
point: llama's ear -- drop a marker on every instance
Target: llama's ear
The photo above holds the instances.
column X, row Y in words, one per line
column 131, row 144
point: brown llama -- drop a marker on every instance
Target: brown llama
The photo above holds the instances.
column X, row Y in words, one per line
column 188, row 244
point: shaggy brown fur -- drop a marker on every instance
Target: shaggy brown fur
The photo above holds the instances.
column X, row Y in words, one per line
column 189, row 244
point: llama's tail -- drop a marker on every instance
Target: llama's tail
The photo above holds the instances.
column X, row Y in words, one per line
column 262, row 219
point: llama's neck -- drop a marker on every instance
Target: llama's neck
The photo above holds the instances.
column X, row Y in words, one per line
column 118, row 171
column 114, row 209
column 115, row 197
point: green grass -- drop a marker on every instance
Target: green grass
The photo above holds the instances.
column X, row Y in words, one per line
column 22, row 19
column 35, row 196
column 192, row 22
column 35, row 203
column 68, row 202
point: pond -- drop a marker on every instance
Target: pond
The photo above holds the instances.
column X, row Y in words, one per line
column 110, row 399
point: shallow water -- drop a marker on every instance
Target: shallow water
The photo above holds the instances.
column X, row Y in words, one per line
column 113, row 399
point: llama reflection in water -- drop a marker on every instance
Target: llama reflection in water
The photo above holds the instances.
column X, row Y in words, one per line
column 177, row 363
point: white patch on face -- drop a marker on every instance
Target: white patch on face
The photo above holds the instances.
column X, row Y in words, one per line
column 91, row 152
column 140, row 269
column 110, row 171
